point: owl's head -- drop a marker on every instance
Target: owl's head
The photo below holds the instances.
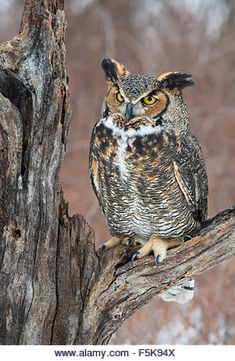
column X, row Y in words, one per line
column 154, row 98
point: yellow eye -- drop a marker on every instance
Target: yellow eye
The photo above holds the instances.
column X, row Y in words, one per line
column 119, row 97
column 149, row 100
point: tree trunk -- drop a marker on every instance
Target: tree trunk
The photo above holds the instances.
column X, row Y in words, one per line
column 54, row 287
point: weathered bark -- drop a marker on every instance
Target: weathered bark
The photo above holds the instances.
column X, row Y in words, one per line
column 54, row 287
column 35, row 113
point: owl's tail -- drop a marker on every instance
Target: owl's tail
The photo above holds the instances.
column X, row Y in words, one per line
column 180, row 294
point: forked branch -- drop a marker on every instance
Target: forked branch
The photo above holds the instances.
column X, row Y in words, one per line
column 116, row 287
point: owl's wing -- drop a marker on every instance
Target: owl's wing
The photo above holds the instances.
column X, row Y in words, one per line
column 94, row 175
column 94, row 171
column 190, row 173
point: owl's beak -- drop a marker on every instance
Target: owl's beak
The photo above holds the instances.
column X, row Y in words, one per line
column 129, row 112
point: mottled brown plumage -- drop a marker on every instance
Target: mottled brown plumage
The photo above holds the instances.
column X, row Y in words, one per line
column 146, row 168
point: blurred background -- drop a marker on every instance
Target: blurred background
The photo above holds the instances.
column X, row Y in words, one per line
column 152, row 37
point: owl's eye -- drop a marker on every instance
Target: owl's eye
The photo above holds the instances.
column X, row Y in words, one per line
column 149, row 100
column 119, row 97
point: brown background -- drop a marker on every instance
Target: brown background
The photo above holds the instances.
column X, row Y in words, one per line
column 152, row 37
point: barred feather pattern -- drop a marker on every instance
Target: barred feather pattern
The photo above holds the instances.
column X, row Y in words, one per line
column 135, row 182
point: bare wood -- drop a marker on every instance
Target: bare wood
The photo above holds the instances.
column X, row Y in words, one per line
column 54, row 287
column 34, row 118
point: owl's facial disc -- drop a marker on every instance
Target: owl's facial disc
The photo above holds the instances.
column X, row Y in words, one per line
column 148, row 105
column 132, row 103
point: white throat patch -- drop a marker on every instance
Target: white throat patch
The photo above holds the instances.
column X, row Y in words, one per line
column 129, row 133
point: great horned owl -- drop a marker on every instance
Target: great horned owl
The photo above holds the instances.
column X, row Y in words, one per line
column 146, row 167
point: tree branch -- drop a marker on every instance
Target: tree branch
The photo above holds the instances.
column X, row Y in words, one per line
column 115, row 287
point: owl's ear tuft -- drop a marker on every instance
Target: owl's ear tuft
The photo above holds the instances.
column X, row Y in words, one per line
column 113, row 69
column 174, row 80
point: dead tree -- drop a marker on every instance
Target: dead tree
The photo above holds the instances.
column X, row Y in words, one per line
column 54, row 287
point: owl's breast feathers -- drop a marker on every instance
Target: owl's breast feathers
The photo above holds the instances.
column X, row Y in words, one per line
column 141, row 181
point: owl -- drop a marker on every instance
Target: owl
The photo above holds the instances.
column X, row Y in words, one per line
column 146, row 167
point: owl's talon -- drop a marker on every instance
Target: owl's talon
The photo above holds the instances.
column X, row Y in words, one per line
column 135, row 255
column 129, row 243
column 103, row 247
column 187, row 237
column 158, row 260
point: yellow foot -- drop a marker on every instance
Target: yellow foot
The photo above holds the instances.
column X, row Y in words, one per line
column 158, row 246
column 113, row 242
